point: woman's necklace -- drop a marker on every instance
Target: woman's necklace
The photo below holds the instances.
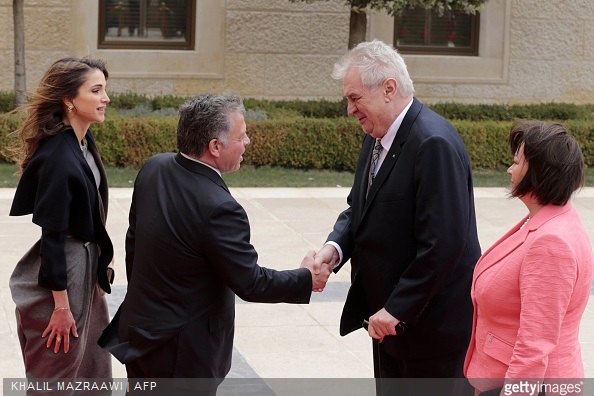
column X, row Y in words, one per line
column 84, row 146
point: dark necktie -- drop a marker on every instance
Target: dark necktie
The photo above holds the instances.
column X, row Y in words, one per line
column 375, row 155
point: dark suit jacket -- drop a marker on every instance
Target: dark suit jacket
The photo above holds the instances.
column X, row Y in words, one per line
column 188, row 253
column 413, row 243
column 58, row 188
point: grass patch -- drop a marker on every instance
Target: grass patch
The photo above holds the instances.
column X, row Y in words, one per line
column 265, row 176
column 246, row 176
column 500, row 178
column 490, row 178
column 249, row 176
column 121, row 177
column 7, row 177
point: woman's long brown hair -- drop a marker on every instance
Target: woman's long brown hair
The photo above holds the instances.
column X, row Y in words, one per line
column 46, row 109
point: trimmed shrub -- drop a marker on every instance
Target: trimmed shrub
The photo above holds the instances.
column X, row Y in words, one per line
column 130, row 141
column 167, row 101
column 301, row 143
column 6, row 101
column 8, row 124
column 583, row 131
column 146, row 110
column 275, row 109
column 494, row 112
column 486, row 142
column 127, row 101
column 291, row 108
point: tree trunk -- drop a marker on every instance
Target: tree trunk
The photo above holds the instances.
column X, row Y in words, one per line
column 20, row 85
column 358, row 23
column 357, row 32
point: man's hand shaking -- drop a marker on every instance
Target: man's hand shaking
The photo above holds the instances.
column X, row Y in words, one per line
column 319, row 272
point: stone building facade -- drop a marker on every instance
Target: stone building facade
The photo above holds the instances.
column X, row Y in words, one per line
column 529, row 51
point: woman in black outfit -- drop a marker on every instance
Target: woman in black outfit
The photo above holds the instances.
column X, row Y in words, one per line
column 58, row 285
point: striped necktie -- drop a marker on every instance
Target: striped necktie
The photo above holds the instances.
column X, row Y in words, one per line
column 375, row 155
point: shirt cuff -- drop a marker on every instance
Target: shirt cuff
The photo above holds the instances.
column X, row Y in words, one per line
column 339, row 250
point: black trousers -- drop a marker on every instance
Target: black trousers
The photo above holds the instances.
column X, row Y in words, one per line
column 440, row 376
column 166, row 386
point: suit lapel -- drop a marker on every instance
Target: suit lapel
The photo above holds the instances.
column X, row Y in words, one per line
column 368, row 149
column 74, row 145
column 517, row 236
column 502, row 248
column 393, row 152
column 103, row 186
column 547, row 213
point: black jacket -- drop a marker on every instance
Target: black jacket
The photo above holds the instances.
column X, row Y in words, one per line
column 188, row 253
column 59, row 189
column 413, row 242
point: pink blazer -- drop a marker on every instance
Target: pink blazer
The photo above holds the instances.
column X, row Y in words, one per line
column 529, row 292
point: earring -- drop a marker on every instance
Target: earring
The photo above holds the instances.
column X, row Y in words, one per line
column 70, row 108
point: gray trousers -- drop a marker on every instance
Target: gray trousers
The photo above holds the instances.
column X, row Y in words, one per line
column 34, row 307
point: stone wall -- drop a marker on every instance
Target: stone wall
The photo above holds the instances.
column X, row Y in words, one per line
column 552, row 51
column 276, row 49
column 529, row 51
column 47, row 38
column 548, row 56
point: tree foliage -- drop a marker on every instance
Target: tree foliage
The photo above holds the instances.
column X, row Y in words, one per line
column 358, row 17
column 395, row 6
column 439, row 6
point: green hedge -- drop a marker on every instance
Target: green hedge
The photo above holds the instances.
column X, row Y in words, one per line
column 498, row 112
column 304, row 143
column 6, row 101
column 487, row 145
column 129, row 141
column 273, row 109
column 301, row 143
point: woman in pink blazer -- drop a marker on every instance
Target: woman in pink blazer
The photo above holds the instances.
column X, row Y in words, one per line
column 531, row 287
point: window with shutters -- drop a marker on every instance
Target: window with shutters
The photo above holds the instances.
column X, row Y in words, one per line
column 421, row 31
column 147, row 24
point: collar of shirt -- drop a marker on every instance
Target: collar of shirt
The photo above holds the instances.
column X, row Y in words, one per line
column 391, row 134
column 200, row 162
column 389, row 137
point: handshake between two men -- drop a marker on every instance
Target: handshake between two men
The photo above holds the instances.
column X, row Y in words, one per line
column 320, row 265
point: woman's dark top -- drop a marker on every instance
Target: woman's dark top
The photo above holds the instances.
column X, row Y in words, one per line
column 58, row 188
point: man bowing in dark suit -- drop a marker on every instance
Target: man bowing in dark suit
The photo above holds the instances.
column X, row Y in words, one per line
column 188, row 254
column 410, row 228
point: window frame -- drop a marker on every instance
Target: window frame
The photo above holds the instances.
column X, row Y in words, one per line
column 188, row 44
column 471, row 50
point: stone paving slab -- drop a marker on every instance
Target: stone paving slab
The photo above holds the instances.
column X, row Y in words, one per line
column 276, row 340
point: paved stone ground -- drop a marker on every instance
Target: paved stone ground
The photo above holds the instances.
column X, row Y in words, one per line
column 276, row 340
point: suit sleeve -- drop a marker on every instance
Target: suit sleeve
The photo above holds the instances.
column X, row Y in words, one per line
column 442, row 220
column 342, row 232
column 547, row 278
column 235, row 261
column 342, row 235
column 131, row 237
column 53, row 271
column 56, row 187
column 51, row 211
